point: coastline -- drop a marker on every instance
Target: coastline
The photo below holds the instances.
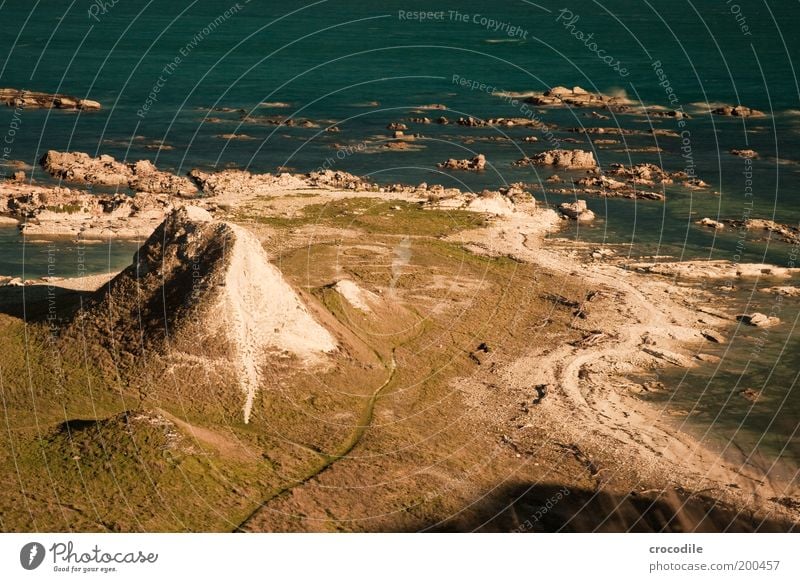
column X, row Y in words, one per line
column 632, row 322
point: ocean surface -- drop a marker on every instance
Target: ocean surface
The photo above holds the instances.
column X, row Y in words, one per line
column 182, row 74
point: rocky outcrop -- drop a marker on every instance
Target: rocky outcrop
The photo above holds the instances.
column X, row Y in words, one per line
column 752, row 154
column 574, row 159
column 737, row 111
column 787, row 233
column 494, row 202
column 334, row 180
column 651, row 175
column 141, row 176
column 203, row 293
column 237, row 185
column 577, row 97
column 711, row 223
column 36, row 100
column 476, row 164
column 281, row 121
column 577, row 211
column 45, row 211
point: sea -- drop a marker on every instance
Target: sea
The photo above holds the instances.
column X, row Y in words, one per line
column 178, row 78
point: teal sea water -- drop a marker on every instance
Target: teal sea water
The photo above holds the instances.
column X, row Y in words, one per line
column 161, row 68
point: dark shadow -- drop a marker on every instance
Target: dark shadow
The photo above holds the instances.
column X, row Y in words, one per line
column 76, row 425
column 37, row 303
column 554, row 508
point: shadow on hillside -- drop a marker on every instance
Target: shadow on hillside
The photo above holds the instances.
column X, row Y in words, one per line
column 35, row 303
column 553, row 508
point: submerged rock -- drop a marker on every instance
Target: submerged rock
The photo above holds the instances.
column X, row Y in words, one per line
column 752, row 154
column 737, row 111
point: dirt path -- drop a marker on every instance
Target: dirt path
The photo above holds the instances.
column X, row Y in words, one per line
column 364, row 422
column 593, row 409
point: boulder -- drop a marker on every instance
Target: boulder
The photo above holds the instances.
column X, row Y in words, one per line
column 577, row 211
column 711, row 223
column 758, row 319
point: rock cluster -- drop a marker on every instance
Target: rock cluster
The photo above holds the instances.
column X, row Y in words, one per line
column 560, row 159
column 737, row 111
column 476, row 164
column 651, row 175
column 35, row 100
column 141, row 176
column 576, row 97
column 787, row 233
column 66, row 212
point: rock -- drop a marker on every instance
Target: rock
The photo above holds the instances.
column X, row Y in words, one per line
column 36, row 100
column 653, row 386
column 104, row 170
column 396, row 126
column 18, row 176
column 602, row 253
column 672, row 114
column 577, row 97
column 737, row 111
column 713, row 336
column 711, row 223
column 469, row 122
column 601, row 182
column 15, row 282
column 750, row 394
column 668, row 356
column 708, row 358
column 477, row 164
column 442, row 120
column 752, row 154
column 695, row 184
column 530, row 139
column 758, row 319
column 560, row 159
column 577, row 211
column 554, row 178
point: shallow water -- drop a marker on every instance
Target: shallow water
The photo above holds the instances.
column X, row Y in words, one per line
column 60, row 257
